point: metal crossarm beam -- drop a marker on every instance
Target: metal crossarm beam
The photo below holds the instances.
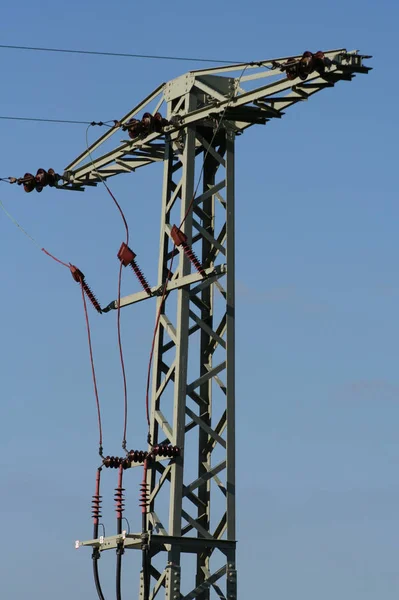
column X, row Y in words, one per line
column 218, row 96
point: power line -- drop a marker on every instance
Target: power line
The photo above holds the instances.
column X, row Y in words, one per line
column 39, row 120
column 120, row 54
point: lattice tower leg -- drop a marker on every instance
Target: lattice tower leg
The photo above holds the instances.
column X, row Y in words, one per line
column 193, row 404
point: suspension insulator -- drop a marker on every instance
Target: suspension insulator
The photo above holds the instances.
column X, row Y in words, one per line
column 306, row 65
column 147, row 121
column 291, row 68
column 134, row 128
column 137, row 456
column 119, row 501
column 44, row 178
column 112, row 462
column 79, row 277
column 164, row 450
column 180, row 239
column 29, row 182
column 321, row 62
column 159, row 122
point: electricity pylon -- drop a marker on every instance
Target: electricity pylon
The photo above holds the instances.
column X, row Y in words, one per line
column 192, row 499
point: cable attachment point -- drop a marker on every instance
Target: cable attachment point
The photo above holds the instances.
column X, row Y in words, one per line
column 180, row 239
column 127, row 257
column 79, row 277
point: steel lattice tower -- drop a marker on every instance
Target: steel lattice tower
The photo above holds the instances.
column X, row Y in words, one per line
column 193, row 397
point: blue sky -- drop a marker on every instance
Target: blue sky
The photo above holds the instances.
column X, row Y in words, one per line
column 318, row 291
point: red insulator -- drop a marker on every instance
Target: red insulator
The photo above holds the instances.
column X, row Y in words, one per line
column 147, row 121
column 127, row 257
column 113, row 462
column 139, row 274
column 176, row 451
column 134, row 128
column 79, row 277
column 96, row 502
column 159, row 122
column 29, row 182
column 192, row 257
column 320, row 62
column 119, row 501
column 291, row 68
column 41, row 179
column 144, row 497
column 306, row 65
column 180, row 239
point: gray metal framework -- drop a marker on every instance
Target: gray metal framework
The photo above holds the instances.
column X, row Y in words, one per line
column 192, row 498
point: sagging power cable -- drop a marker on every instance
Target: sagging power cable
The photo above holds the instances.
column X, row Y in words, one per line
column 86, row 292
column 118, row 317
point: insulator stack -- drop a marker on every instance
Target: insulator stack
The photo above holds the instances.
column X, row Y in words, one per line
column 96, row 508
column 80, row 278
column 166, row 451
column 119, row 501
column 96, row 501
column 114, row 462
column 306, row 65
column 39, row 181
column 137, row 456
column 144, row 497
column 127, row 257
column 180, row 239
column 148, row 124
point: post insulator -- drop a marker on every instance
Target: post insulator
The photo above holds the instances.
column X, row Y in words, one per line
column 180, row 239
column 79, row 277
column 127, row 257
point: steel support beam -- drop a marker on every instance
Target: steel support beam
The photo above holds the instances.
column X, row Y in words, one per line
column 194, row 355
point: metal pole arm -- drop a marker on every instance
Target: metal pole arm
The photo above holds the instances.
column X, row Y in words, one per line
column 233, row 98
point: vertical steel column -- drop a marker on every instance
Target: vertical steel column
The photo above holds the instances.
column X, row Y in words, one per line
column 205, row 308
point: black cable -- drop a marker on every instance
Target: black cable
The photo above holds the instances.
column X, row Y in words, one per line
column 67, row 121
column 120, row 54
column 118, row 575
column 96, row 552
column 96, row 577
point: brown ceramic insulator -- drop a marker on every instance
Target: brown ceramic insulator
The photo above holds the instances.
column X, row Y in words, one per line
column 139, row 274
column 147, row 121
column 91, row 297
column 119, row 501
column 29, row 182
column 291, row 69
column 193, row 259
column 144, row 497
